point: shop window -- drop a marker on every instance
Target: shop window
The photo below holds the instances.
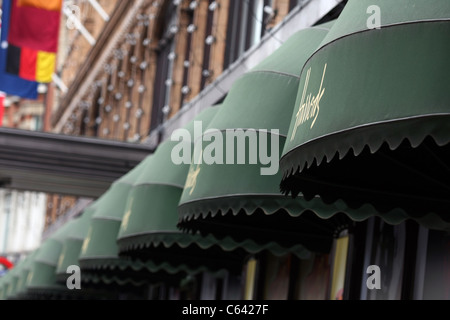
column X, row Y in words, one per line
column 231, row 287
column 386, row 249
column 190, row 287
column 208, row 287
column 158, row 292
column 433, row 281
column 174, row 294
column 313, row 277
column 277, row 277
column 287, row 277
column 339, row 266
column 250, row 276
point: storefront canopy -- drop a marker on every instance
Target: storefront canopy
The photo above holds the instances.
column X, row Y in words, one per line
column 149, row 228
column 99, row 260
column 41, row 281
column 371, row 125
column 3, row 288
column 12, row 279
column 73, row 242
column 238, row 195
column 25, row 267
column 4, row 284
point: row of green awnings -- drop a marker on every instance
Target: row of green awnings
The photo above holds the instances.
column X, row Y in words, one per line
column 371, row 125
column 360, row 120
column 133, row 234
column 149, row 228
column 242, row 200
column 35, row 277
column 133, row 239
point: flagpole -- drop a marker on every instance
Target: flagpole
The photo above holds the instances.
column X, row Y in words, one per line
column 77, row 24
column 99, row 9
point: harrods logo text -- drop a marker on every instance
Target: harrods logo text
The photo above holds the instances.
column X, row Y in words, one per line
column 309, row 105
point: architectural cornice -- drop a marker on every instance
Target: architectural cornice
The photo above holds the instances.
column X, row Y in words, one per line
column 59, row 164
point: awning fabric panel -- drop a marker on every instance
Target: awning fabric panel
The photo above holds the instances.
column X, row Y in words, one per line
column 391, row 77
column 42, row 280
column 262, row 99
column 355, row 16
column 100, row 241
column 12, row 288
column 21, row 291
column 74, row 241
column 149, row 228
column 99, row 248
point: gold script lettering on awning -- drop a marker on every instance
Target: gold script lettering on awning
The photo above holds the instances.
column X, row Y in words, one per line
column 310, row 108
column 191, row 180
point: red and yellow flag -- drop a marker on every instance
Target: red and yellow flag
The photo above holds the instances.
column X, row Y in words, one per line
column 33, row 39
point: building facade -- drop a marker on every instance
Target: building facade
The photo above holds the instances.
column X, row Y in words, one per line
column 151, row 68
column 154, row 61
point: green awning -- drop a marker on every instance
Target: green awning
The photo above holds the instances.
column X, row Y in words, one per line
column 74, row 241
column 101, row 266
column 238, row 200
column 149, row 228
column 98, row 258
column 371, row 126
column 21, row 291
column 38, row 279
column 41, row 281
column 14, row 274
column 3, row 288
column 5, row 282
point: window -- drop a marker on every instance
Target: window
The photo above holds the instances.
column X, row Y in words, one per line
column 433, row 278
column 207, row 51
column 313, row 277
column 96, row 111
column 186, row 56
column 246, row 26
column 277, row 277
column 287, row 277
column 163, row 83
column 385, row 248
column 163, row 80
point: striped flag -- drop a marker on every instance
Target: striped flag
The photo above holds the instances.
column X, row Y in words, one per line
column 29, row 43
